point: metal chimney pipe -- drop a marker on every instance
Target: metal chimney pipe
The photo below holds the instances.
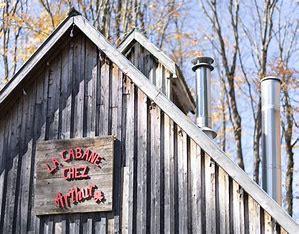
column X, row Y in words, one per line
column 202, row 66
column 271, row 166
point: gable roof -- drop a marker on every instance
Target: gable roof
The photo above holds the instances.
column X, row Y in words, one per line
column 195, row 133
column 136, row 36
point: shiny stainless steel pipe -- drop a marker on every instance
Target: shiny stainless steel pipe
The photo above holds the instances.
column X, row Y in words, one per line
column 202, row 66
column 271, row 146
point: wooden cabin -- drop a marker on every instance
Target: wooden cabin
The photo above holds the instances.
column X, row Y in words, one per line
column 91, row 144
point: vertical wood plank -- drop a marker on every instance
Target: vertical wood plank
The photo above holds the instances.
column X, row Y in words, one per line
column 159, row 77
column 141, row 163
column 53, row 99
column 27, row 163
column 40, row 125
column 57, row 224
column 17, row 154
column 78, row 89
column 2, row 167
column 104, row 97
column 61, row 68
column 163, row 88
column 90, row 75
column 223, row 201
column 238, row 208
column 66, row 93
column 128, row 214
column 269, row 225
column 125, row 199
column 116, row 130
column 254, row 216
column 74, row 225
column 110, row 223
column 195, row 162
column 11, row 164
column 169, row 175
column 52, row 115
column 241, row 210
column 155, row 168
column 87, row 224
column 150, row 67
column 101, row 226
column 116, row 101
column 4, row 162
column 210, row 195
column 168, row 83
column 182, row 180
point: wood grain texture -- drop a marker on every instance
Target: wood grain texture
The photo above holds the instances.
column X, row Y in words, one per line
column 254, row 216
column 182, row 181
column 88, row 80
column 195, row 161
column 155, row 167
column 223, row 182
column 169, row 203
column 210, row 195
column 48, row 185
column 141, row 193
column 159, row 68
column 190, row 128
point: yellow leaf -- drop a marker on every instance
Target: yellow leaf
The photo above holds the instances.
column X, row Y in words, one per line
column 2, row 5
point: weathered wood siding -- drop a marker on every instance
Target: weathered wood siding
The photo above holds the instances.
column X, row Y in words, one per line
column 164, row 182
column 156, row 72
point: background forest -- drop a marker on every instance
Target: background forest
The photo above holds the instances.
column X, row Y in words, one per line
column 248, row 40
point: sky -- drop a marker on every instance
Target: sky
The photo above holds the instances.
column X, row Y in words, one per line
column 195, row 23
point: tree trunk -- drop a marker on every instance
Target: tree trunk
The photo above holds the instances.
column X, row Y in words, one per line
column 288, row 135
column 223, row 130
column 118, row 20
column 289, row 179
column 237, row 122
column 256, row 143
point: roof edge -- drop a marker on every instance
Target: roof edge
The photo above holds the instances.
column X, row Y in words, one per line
column 73, row 12
column 135, row 34
column 138, row 36
column 195, row 133
column 36, row 56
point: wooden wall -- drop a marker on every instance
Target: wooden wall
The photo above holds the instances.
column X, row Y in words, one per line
column 156, row 72
column 164, row 182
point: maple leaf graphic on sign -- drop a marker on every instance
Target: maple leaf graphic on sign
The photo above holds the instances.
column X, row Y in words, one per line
column 99, row 196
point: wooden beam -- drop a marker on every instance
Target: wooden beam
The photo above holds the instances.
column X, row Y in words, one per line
column 160, row 55
column 35, row 58
column 168, row 63
column 195, row 133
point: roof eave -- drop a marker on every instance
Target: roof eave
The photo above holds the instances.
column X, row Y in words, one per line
column 35, row 58
column 195, row 133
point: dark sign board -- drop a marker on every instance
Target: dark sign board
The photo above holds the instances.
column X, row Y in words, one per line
column 74, row 176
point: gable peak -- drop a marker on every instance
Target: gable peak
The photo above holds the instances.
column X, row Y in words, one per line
column 73, row 12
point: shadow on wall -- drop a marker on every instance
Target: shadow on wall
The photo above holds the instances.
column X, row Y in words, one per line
column 68, row 96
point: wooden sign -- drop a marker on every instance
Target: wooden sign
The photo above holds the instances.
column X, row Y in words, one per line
column 74, row 176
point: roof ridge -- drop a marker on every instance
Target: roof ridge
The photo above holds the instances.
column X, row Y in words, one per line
column 73, row 12
column 169, row 108
column 161, row 56
column 195, row 133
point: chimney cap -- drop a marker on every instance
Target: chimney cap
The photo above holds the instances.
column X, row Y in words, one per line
column 210, row 132
column 271, row 78
column 202, row 62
